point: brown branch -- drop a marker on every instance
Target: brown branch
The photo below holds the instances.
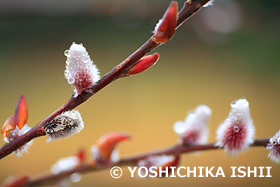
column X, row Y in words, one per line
column 133, row 160
column 187, row 11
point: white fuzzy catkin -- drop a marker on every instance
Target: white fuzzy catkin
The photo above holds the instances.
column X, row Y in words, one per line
column 194, row 129
column 14, row 134
column 64, row 125
column 237, row 131
column 80, row 71
column 65, row 164
column 274, row 147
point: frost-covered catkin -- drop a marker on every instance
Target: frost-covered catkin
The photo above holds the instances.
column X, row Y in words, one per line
column 194, row 129
column 237, row 131
column 64, row 125
column 274, row 147
column 80, row 71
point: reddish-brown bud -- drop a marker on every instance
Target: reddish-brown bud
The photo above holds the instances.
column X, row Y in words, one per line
column 21, row 113
column 144, row 63
column 18, row 181
column 166, row 26
column 8, row 126
column 81, row 154
column 107, row 143
column 172, row 163
column 18, row 119
column 160, row 161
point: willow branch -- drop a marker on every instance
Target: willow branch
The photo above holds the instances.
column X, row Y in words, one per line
column 189, row 8
column 133, row 160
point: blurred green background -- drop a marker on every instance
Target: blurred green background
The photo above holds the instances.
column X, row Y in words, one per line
column 225, row 52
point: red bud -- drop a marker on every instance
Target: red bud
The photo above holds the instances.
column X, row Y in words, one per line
column 8, row 126
column 143, row 64
column 165, row 28
column 81, row 154
column 172, row 163
column 18, row 181
column 21, row 114
column 108, row 142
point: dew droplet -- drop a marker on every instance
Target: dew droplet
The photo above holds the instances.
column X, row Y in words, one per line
column 85, row 59
column 269, row 146
column 235, row 128
column 75, row 177
column 278, row 140
column 67, row 53
column 233, row 102
column 66, row 73
column 71, row 80
column 179, row 127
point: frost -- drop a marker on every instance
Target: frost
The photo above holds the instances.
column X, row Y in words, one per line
column 157, row 27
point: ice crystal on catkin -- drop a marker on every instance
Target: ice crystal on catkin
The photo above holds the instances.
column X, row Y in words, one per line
column 194, row 129
column 80, row 71
column 237, row 131
column 274, row 147
column 14, row 134
column 64, row 125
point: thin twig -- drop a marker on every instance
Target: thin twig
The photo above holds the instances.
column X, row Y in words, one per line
column 187, row 11
column 133, row 160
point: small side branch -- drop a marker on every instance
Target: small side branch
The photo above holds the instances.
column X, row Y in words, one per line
column 133, row 160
